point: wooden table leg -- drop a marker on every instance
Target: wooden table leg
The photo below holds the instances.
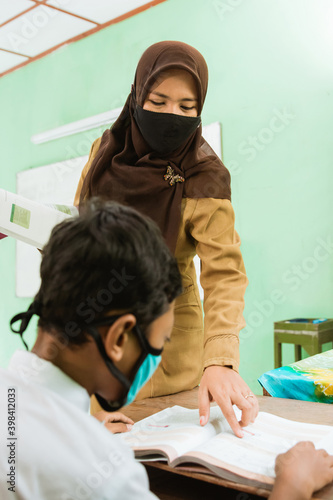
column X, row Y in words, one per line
column 277, row 354
column 298, row 352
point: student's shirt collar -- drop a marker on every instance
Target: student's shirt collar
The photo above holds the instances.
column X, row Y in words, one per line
column 30, row 368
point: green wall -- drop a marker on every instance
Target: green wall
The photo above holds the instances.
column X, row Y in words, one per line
column 271, row 89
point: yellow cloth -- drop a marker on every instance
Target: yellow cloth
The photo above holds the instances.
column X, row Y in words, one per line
column 206, row 229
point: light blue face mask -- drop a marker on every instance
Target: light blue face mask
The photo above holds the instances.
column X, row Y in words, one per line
column 142, row 376
column 148, row 362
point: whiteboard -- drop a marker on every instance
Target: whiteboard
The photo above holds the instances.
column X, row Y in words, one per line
column 57, row 183
column 54, row 183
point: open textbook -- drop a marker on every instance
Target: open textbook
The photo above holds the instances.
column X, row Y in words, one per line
column 28, row 220
column 174, row 435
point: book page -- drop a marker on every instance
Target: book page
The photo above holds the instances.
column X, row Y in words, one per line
column 66, row 209
column 175, row 431
column 263, row 441
column 30, row 221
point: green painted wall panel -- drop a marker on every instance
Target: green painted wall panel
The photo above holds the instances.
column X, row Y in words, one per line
column 270, row 87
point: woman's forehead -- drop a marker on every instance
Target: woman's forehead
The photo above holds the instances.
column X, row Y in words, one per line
column 175, row 79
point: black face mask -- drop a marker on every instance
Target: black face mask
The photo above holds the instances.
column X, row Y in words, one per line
column 165, row 132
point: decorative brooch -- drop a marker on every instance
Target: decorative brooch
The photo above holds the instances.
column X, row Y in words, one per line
column 171, row 177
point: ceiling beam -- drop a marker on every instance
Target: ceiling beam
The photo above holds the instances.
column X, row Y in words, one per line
column 99, row 27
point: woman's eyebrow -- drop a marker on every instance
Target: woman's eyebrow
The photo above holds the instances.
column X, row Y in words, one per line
column 167, row 97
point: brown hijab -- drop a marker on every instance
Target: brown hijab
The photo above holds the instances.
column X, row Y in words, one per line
column 125, row 168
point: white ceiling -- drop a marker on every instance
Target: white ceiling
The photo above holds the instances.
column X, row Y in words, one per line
column 40, row 29
column 29, row 28
column 99, row 11
column 9, row 9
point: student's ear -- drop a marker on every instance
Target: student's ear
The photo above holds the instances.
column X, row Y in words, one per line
column 116, row 337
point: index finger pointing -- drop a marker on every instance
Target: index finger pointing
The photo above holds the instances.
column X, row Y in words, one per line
column 248, row 409
column 230, row 416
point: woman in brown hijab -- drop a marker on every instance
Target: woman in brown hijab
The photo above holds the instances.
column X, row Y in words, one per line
column 155, row 159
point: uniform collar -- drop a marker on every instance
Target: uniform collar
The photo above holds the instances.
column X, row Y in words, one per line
column 30, row 368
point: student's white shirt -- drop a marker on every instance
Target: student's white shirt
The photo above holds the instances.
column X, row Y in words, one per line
column 60, row 451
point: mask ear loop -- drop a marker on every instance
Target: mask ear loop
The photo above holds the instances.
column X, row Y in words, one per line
column 25, row 318
column 91, row 330
column 146, row 349
column 115, row 372
column 145, row 344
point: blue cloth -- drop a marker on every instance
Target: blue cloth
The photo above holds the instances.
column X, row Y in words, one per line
column 310, row 379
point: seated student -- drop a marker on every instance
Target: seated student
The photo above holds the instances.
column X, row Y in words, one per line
column 105, row 307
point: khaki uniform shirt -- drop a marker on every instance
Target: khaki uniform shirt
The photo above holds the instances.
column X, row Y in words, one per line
column 206, row 229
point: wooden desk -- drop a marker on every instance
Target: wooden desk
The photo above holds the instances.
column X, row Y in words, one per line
column 171, row 484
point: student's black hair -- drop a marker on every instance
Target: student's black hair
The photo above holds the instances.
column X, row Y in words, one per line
column 108, row 258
